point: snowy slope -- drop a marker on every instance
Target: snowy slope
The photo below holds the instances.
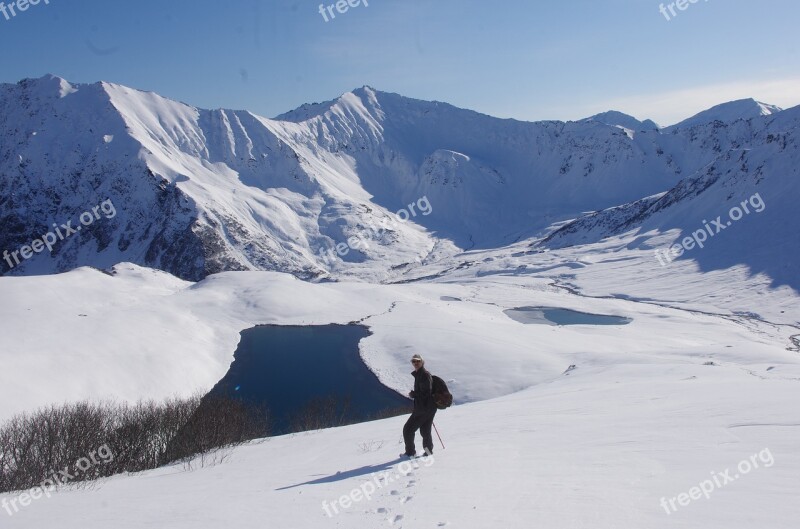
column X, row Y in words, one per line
column 598, row 448
column 641, row 418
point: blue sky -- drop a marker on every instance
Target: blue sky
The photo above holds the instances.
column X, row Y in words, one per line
column 559, row 59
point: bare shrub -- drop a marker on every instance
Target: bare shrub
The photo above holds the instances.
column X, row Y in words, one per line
column 392, row 412
column 36, row 446
column 217, row 422
column 322, row 412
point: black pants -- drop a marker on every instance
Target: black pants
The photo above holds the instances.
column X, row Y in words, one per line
column 422, row 421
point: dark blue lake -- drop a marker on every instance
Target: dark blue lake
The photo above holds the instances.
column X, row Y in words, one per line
column 307, row 377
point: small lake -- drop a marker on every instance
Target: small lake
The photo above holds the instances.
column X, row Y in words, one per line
column 556, row 316
column 291, row 369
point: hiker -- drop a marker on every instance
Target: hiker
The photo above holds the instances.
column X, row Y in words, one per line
column 424, row 409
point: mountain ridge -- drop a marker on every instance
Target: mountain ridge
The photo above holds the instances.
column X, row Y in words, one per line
column 202, row 191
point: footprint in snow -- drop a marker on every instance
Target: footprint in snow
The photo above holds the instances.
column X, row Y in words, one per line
column 396, row 518
column 442, row 524
column 406, row 499
column 381, row 510
column 411, row 483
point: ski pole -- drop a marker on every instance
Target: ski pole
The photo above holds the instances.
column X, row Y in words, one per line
column 437, row 434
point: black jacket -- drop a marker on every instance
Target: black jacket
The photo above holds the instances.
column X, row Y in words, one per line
column 423, row 387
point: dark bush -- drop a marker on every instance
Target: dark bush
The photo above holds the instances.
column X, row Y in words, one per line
column 217, row 422
column 83, row 441
column 322, row 412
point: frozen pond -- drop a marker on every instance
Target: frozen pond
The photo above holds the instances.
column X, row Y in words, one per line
column 556, row 316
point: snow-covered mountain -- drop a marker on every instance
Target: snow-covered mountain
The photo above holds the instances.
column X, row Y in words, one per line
column 728, row 113
column 196, row 191
column 201, row 191
column 468, row 164
column 743, row 200
column 622, row 120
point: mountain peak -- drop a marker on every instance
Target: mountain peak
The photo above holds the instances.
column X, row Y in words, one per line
column 308, row 111
column 48, row 85
column 620, row 119
column 729, row 112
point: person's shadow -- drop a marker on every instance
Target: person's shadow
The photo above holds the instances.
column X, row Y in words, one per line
column 339, row 476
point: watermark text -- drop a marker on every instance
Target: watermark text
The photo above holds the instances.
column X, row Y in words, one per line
column 719, row 480
column 378, row 481
column 681, row 5
column 699, row 237
column 59, row 478
column 49, row 239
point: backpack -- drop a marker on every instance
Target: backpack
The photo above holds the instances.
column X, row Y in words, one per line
column 441, row 396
